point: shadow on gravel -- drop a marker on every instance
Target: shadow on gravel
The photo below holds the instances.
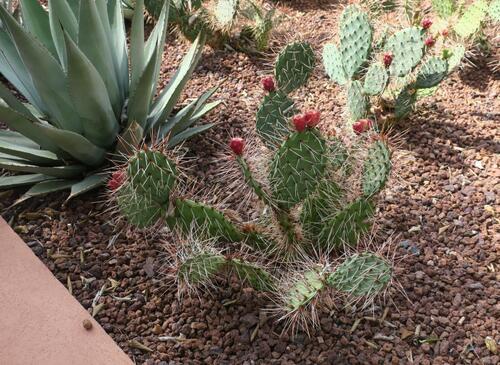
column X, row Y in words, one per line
column 308, row 5
column 480, row 75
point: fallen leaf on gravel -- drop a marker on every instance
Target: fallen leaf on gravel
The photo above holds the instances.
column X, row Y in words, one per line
column 415, row 229
column 21, row 229
column 489, row 209
column 371, row 344
column 114, row 283
column 355, row 325
column 31, row 215
column 96, row 309
column 382, row 337
column 128, row 298
column 254, row 333
column 405, row 333
column 430, row 339
column 137, row 345
column 491, row 345
column 70, row 286
column 443, row 229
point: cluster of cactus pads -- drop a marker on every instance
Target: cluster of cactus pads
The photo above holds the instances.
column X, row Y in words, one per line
column 392, row 72
column 314, row 194
column 244, row 24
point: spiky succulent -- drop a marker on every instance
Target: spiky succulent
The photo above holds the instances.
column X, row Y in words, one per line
column 310, row 201
column 392, row 78
column 83, row 104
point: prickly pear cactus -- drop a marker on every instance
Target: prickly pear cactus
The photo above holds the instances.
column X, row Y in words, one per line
column 332, row 61
column 357, row 103
column 494, row 10
column 376, row 79
column 272, row 118
column 294, row 66
column 376, row 168
column 225, row 12
column 432, row 72
column 470, row 21
column 444, row 8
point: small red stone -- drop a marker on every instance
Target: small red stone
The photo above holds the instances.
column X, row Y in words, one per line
column 387, row 59
column 430, row 41
column 237, row 145
column 426, row 23
column 300, row 122
column 312, row 118
column 362, row 126
column 268, row 83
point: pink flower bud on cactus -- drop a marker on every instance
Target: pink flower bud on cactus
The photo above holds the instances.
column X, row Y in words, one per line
column 430, row 41
column 362, row 126
column 387, row 59
column 312, row 118
column 117, row 179
column 268, row 84
column 237, row 145
column 445, row 32
column 300, row 122
column 426, row 23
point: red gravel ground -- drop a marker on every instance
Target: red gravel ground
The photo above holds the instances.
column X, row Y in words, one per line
column 442, row 210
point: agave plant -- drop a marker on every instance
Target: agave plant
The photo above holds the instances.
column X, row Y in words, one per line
column 83, row 104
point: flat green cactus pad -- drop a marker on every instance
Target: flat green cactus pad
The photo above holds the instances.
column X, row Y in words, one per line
column 188, row 215
column 332, row 61
column 363, row 274
column 457, row 54
column 405, row 102
column 470, row 21
column 444, row 8
column 338, row 154
column 432, row 72
column 347, row 226
column 355, row 39
column 406, row 47
column 140, row 211
column 297, row 167
column 294, row 66
column 304, row 290
column 494, row 11
column 425, row 93
column 152, row 175
column 319, row 208
column 225, row 11
column 375, row 79
column 200, row 268
column 376, row 169
column 357, row 103
column 256, row 276
column 272, row 118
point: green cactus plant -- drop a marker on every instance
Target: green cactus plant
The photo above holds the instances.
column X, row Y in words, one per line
column 294, row 66
column 386, row 73
column 306, row 200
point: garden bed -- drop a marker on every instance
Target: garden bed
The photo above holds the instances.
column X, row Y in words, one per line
column 440, row 212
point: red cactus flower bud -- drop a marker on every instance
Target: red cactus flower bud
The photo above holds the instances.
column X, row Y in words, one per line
column 117, row 179
column 268, row 84
column 430, row 41
column 362, row 126
column 388, row 59
column 426, row 23
column 445, row 32
column 300, row 122
column 312, row 118
column 237, row 145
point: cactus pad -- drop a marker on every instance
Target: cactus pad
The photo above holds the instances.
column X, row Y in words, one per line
column 297, row 167
column 200, row 268
column 355, row 39
column 304, row 290
column 432, row 72
column 457, row 54
column 363, row 274
column 272, row 118
column 444, row 8
column 405, row 102
column 332, row 61
column 139, row 210
column 294, row 66
column 152, row 175
column 348, row 224
column 256, row 276
column 470, row 21
column 494, row 10
column 375, row 79
column 318, row 208
column 406, row 47
column 356, row 101
column 225, row 11
column 188, row 215
column 376, row 168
